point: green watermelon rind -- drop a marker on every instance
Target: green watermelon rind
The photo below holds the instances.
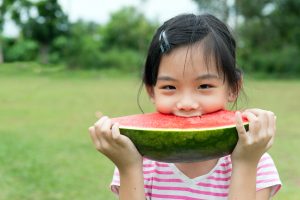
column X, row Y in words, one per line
column 183, row 145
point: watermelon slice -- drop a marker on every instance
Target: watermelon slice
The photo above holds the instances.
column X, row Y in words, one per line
column 169, row 138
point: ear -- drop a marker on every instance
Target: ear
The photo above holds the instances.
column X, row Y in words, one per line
column 150, row 91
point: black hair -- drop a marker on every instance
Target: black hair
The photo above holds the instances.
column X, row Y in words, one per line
column 188, row 29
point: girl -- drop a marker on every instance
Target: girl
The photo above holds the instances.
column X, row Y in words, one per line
column 190, row 71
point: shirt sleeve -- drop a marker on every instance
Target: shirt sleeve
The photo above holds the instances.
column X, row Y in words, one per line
column 115, row 183
column 267, row 175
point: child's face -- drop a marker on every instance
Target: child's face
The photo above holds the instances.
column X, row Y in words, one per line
column 186, row 88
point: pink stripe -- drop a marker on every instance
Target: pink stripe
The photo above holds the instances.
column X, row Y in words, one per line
column 265, row 166
column 162, row 164
column 151, row 171
column 267, row 173
column 267, row 181
column 218, row 178
column 264, row 158
column 213, row 185
column 158, row 172
column 171, row 180
column 187, row 190
column 164, row 196
column 156, row 164
column 225, row 164
column 148, row 165
column 223, row 171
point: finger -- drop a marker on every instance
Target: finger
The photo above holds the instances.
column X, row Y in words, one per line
column 106, row 128
column 115, row 131
column 240, row 126
column 254, row 123
column 263, row 117
column 255, row 111
column 100, row 121
column 99, row 127
column 272, row 123
column 94, row 137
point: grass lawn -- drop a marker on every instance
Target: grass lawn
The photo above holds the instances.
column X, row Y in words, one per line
column 46, row 152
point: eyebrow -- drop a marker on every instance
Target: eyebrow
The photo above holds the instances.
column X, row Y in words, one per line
column 166, row 78
column 207, row 76
column 201, row 77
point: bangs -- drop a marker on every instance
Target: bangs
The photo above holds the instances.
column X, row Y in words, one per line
column 215, row 50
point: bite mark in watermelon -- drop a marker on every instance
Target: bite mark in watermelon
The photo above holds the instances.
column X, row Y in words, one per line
column 169, row 138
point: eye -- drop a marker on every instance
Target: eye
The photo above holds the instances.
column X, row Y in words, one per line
column 168, row 87
column 205, row 86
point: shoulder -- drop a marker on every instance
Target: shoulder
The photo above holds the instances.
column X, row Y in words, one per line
column 266, row 162
column 267, row 175
column 266, row 158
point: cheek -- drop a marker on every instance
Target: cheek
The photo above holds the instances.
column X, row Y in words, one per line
column 213, row 104
column 163, row 105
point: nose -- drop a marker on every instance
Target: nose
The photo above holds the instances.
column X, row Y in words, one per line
column 187, row 103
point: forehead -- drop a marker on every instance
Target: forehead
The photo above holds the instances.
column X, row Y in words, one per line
column 191, row 60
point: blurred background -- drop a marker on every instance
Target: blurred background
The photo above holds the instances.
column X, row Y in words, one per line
column 63, row 60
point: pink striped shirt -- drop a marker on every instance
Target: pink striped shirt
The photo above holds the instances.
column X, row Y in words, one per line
column 165, row 181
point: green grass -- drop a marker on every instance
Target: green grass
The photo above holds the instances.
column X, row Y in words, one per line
column 46, row 152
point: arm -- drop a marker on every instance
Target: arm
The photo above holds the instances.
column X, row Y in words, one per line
column 121, row 151
column 251, row 146
column 132, row 184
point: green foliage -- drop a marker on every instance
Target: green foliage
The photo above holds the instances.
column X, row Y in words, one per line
column 269, row 34
column 125, row 60
column 82, row 48
column 50, row 23
column 219, row 8
column 277, row 62
column 120, row 44
column 43, row 26
column 127, row 29
column 271, row 40
column 21, row 50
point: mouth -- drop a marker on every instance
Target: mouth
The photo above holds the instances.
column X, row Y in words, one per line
column 181, row 114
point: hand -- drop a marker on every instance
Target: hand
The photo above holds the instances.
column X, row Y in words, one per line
column 252, row 144
column 118, row 148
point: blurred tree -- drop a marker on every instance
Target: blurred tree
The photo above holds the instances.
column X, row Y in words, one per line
column 220, row 8
column 41, row 21
column 4, row 10
column 82, row 48
column 270, row 36
column 120, row 44
column 11, row 9
column 127, row 29
column 268, row 30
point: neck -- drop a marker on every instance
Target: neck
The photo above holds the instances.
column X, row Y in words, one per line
column 196, row 169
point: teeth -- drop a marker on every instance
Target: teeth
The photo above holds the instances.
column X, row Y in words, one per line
column 188, row 115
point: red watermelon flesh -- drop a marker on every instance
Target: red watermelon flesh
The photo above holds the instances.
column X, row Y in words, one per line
column 164, row 121
column 170, row 138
